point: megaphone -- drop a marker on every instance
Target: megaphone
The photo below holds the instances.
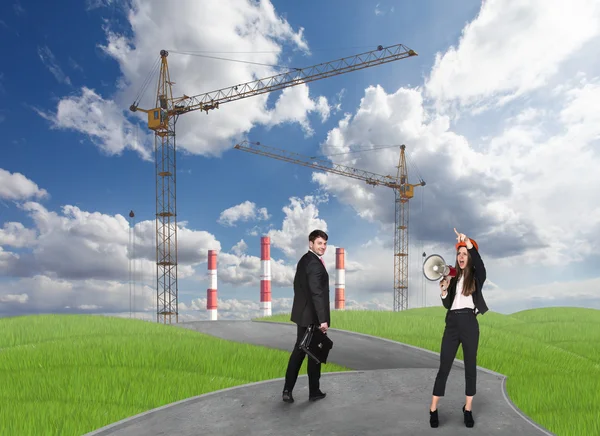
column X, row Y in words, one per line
column 435, row 267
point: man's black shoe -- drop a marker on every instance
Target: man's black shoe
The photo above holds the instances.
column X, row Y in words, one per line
column 287, row 397
column 318, row 396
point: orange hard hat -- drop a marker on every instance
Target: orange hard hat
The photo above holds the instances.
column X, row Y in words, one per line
column 463, row 244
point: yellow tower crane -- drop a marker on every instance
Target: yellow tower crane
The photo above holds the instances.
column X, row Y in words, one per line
column 403, row 190
column 162, row 119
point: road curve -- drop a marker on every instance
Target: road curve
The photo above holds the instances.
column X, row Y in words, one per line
column 388, row 393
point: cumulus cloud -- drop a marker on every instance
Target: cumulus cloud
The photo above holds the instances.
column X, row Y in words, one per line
column 511, row 48
column 582, row 293
column 44, row 294
column 499, row 188
column 301, row 218
column 15, row 186
column 8, row 262
column 242, row 309
column 102, row 121
column 253, row 28
column 461, row 184
column 15, row 234
column 75, row 260
column 246, row 211
column 78, row 261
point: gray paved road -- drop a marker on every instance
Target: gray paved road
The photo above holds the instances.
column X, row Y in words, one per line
column 388, row 395
column 351, row 350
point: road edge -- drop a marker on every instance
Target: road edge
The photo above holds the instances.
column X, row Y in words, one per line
column 459, row 361
column 108, row 429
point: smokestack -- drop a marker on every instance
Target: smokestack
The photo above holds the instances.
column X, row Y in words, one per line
column 340, row 279
column 265, row 276
column 211, row 293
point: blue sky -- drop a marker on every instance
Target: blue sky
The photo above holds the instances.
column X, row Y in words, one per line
column 483, row 125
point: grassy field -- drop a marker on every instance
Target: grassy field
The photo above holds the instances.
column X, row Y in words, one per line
column 551, row 356
column 69, row 375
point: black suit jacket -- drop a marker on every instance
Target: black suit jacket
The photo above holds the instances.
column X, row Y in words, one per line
column 311, row 292
column 480, row 276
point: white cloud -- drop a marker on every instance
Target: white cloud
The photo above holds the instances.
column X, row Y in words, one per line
column 571, row 230
column 85, row 283
column 8, row 261
column 16, row 235
column 246, row 211
column 41, row 293
column 481, row 192
column 511, row 48
column 253, row 28
column 77, row 244
column 244, row 270
column 443, row 158
column 236, row 309
column 301, row 218
column 102, row 121
column 581, row 293
column 79, row 260
column 50, row 62
column 294, row 105
column 239, row 248
column 15, row 186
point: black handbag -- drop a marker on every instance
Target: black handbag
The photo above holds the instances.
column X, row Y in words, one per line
column 316, row 344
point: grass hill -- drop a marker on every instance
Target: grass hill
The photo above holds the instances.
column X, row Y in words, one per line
column 71, row 374
column 551, row 356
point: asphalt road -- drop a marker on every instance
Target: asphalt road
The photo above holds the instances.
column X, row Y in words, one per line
column 388, row 394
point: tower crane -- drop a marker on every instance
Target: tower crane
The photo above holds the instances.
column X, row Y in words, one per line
column 162, row 119
column 403, row 190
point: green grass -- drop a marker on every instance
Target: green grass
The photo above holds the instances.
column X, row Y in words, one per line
column 551, row 356
column 69, row 375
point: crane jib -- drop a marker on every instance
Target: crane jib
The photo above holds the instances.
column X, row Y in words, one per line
column 213, row 99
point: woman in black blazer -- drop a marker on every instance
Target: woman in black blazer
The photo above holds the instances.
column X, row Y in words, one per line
column 463, row 298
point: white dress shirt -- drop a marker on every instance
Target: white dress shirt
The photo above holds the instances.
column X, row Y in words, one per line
column 461, row 301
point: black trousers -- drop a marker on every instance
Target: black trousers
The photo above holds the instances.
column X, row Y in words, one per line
column 296, row 358
column 461, row 328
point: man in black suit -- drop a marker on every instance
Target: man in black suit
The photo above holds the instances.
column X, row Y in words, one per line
column 310, row 307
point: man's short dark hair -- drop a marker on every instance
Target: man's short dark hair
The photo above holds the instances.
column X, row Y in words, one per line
column 317, row 234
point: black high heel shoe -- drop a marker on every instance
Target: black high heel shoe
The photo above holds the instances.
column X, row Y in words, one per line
column 469, row 422
column 433, row 418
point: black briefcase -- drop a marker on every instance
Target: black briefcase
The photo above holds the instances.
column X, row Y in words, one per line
column 316, row 344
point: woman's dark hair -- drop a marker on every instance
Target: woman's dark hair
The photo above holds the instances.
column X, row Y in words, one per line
column 469, row 276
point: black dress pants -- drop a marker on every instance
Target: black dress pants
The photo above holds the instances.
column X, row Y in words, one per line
column 461, row 328
column 296, row 358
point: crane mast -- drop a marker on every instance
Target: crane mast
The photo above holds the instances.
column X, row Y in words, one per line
column 163, row 124
column 162, row 119
column 403, row 192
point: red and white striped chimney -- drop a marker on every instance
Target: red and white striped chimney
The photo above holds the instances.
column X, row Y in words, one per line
column 265, row 276
column 340, row 279
column 211, row 293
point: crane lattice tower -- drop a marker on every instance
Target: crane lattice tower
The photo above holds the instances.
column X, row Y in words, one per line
column 403, row 192
column 162, row 119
